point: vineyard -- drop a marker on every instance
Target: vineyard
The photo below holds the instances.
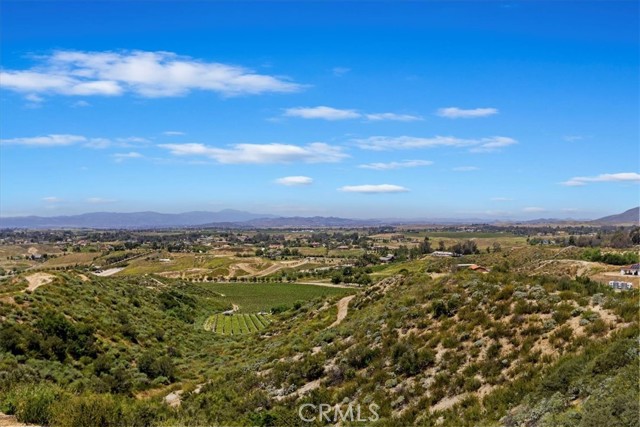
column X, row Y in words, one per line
column 236, row 324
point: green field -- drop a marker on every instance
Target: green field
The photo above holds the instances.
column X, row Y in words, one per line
column 236, row 324
column 256, row 297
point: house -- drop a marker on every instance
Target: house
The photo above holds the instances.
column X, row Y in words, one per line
column 474, row 267
column 631, row 270
column 479, row 268
column 442, row 254
column 625, row 286
column 388, row 258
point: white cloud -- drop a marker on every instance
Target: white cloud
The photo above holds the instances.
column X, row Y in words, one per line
column 52, row 199
column 59, row 140
column 493, row 144
column 291, row 181
column 533, row 209
column 459, row 113
column 173, row 133
column 606, row 177
column 316, row 152
column 392, row 116
column 373, row 188
column 80, row 104
column 119, row 157
column 147, row 74
column 384, row 143
column 99, row 200
column 46, row 140
column 321, row 112
column 465, row 168
column 36, row 99
column 330, row 113
column 396, row 165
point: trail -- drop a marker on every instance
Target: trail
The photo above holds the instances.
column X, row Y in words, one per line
column 327, row 285
column 343, row 310
column 276, row 267
column 109, row 272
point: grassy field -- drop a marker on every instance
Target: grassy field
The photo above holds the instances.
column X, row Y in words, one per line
column 256, row 297
column 236, row 324
column 79, row 258
column 179, row 262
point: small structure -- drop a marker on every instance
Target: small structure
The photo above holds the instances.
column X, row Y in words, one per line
column 625, row 286
column 164, row 260
column 442, row 254
column 631, row 270
column 388, row 258
column 474, row 267
column 479, row 268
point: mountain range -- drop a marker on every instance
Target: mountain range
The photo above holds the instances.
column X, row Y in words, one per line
column 230, row 218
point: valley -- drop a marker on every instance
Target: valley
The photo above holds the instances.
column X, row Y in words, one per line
column 433, row 326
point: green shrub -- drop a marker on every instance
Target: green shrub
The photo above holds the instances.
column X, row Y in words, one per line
column 88, row 410
column 31, row 403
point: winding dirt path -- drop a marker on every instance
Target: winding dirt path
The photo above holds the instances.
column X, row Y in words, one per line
column 343, row 309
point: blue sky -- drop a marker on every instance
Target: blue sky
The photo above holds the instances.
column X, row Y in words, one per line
column 423, row 109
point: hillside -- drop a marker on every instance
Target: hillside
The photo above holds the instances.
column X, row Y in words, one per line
column 630, row 217
column 465, row 349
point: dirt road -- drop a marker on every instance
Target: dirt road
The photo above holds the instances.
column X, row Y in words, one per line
column 343, row 310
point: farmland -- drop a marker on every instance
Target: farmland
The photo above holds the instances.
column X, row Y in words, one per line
column 236, row 324
column 262, row 297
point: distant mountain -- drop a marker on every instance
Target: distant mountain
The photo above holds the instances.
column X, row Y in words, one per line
column 632, row 216
column 316, row 221
column 130, row 220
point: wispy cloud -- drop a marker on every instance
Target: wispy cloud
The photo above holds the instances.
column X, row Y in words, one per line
column 465, row 168
column 147, row 74
column 373, row 188
column 392, row 116
column 99, row 200
column 606, row 177
column 173, row 133
column 396, row 165
column 533, row 209
column 329, row 113
column 321, row 112
column 46, row 140
column 80, row 104
column 119, row 157
column 385, row 143
column 316, row 152
column 493, row 144
column 573, row 138
column 52, row 199
column 459, row 113
column 340, row 71
column 292, row 181
column 60, row 140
